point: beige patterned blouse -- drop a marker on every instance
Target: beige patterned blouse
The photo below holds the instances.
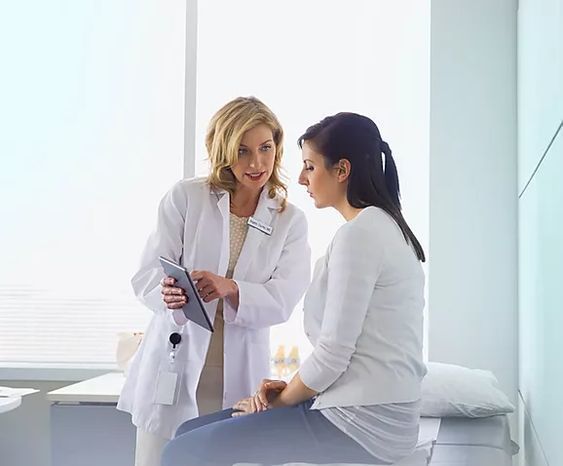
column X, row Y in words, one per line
column 210, row 389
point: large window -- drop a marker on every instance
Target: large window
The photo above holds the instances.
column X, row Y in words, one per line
column 93, row 135
column 309, row 59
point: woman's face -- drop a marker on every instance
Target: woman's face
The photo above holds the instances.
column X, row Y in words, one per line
column 256, row 157
column 322, row 183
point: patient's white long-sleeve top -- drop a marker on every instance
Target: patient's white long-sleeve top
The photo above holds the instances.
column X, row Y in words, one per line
column 363, row 315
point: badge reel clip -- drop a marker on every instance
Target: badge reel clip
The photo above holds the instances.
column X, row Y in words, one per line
column 167, row 382
column 174, row 339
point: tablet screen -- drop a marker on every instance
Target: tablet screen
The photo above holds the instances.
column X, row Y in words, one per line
column 194, row 310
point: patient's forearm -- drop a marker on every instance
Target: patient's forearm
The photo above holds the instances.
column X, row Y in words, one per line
column 296, row 392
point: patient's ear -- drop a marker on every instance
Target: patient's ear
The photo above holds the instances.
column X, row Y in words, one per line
column 343, row 168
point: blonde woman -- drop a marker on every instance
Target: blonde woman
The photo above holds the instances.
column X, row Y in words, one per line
column 247, row 250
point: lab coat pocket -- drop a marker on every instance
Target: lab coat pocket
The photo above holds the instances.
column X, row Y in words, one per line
column 260, row 355
column 259, row 336
column 259, row 342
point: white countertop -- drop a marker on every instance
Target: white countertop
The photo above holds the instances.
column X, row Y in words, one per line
column 7, row 404
column 103, row 389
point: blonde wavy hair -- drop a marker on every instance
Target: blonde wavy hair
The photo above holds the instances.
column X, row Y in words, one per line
column 222, row 141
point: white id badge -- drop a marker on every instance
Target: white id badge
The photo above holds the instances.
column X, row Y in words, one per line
column 261, row 226
column 166, row 388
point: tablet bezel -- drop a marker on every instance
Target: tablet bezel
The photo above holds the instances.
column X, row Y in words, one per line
column 195, row 304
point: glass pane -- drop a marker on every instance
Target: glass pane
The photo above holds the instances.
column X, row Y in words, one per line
column 363, row 56
column 92, row 136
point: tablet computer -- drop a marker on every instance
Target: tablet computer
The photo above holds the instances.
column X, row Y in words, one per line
column 194, row 309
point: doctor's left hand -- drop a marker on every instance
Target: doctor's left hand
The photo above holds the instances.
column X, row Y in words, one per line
column 211, row 286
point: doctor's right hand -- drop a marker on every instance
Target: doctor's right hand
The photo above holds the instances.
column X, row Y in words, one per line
column 173, row 296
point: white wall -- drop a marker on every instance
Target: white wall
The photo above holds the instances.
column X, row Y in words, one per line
column 473, row 187
column 540, row 149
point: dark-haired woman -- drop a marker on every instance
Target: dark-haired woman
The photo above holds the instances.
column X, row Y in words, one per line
column 356, row 398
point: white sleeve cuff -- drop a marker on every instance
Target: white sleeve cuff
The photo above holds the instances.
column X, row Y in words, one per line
column 312, row 375
column 229, row 312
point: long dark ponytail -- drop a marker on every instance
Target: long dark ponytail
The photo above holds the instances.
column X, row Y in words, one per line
column 357, row 138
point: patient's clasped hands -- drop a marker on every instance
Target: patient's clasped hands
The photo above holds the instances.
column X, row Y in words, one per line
column 267, row 392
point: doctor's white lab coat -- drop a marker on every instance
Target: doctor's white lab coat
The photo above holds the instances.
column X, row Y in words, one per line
column 272, row 274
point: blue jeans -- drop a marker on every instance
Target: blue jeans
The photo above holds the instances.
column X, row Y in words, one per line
column 277, row 436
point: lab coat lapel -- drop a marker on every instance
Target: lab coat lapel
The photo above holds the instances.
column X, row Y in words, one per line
column 265, row 211
column 223, row 205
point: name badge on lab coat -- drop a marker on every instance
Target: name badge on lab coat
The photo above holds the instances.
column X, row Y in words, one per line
column 261, row 226
column 166, row 387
